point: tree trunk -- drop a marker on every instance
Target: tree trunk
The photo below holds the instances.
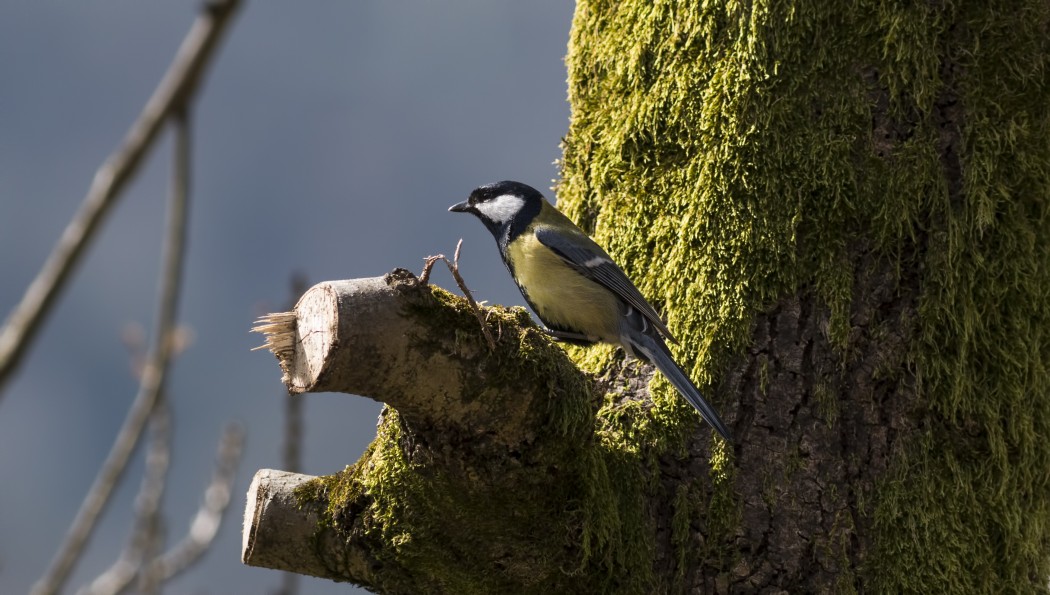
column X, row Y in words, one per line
column 842, row 209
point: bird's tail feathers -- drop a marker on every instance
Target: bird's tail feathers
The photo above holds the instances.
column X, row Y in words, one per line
column 654, row 350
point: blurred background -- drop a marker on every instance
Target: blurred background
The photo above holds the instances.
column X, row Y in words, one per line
column 329, row 139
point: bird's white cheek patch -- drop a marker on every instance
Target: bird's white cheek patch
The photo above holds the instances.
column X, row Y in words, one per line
column 502, row 208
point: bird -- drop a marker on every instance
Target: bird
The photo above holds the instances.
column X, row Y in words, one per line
column 576, row 289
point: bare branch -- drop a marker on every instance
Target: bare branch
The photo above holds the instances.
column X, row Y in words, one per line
column 176, row 88
column 153, row 375
column 144, row 532
column 149, row 522
column 206, row 522
column 201, row 533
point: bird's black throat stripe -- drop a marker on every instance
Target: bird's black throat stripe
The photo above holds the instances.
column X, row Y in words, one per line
column 521, row 222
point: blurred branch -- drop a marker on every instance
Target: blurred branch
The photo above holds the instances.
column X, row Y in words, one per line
column 149, row 522
column 293, row 431
column 293, row 407
column 147, row 519
column 175, row 90
column 153, row 374
column 199, row 537
column 206, row 522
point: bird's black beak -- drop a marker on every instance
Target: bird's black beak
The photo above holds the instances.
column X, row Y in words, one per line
column 461, row 207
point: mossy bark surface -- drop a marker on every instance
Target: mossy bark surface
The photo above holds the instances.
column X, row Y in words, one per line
column 842, row 209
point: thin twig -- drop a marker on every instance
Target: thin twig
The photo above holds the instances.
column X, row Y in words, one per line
column 178, row 86
column 153, row 375
column 453, row 268
column 149, row 522
column 206, row 522
column 198, row 538
column 147, row 505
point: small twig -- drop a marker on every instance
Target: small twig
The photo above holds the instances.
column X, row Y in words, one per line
column 453, row 267
column 206, row 522
column 499, row 326
column 455, row 257
column 150, row 522
column 201, row 533
column 176, row 88
column 428, row 265
column 147, row 504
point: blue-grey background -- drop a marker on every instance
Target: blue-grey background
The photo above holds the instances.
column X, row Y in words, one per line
column 330, row 138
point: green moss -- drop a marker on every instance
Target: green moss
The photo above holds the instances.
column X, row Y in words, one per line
column 827, row 401
column 837, row 547
column 725, row 154
column 523, row 353
column 442, row 530
column 685, row 511
column 595, row 359
column 723, row 510
column 448, row 530
column 763, row 374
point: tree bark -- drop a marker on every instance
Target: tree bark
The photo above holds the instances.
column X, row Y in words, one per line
column 843, row 212
column 283, row 534
column 844, row 209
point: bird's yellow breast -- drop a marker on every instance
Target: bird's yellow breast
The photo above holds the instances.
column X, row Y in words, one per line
column 563, row 298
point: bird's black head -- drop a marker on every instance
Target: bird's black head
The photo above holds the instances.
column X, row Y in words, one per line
column 506, row 208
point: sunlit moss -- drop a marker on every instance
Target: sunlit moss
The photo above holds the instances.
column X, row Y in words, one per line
column 725, row 153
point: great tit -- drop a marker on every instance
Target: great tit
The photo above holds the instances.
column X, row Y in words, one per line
column 573, row 285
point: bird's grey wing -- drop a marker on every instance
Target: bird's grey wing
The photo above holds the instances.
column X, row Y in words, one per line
column 593, row 263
